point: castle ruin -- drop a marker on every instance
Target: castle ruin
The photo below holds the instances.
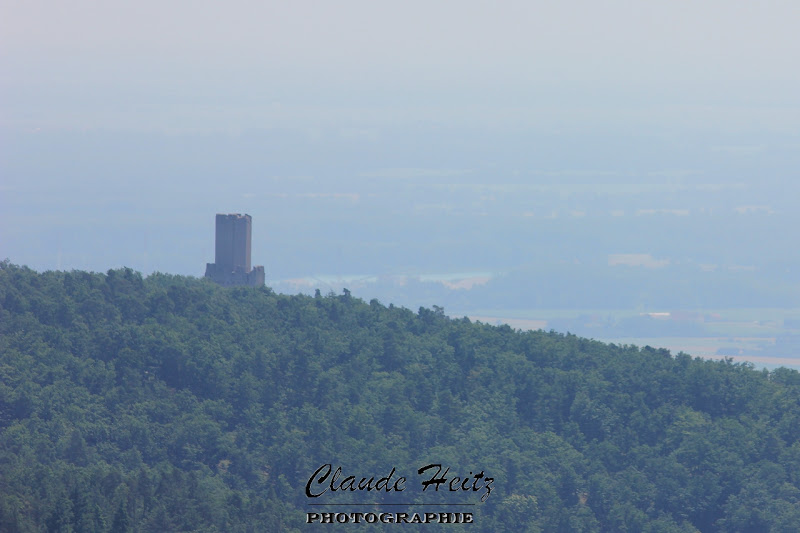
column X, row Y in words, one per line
column 231, row 266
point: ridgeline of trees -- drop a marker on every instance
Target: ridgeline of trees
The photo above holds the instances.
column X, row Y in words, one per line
column 171, row 404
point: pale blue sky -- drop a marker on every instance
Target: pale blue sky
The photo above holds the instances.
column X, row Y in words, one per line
column 199, row 65
column 124, row 126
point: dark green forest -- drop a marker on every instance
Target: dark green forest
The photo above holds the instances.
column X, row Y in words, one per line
column 167, row 403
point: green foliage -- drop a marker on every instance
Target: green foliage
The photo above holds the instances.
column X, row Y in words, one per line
column 172, row 404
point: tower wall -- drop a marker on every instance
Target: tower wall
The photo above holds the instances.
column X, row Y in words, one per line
column 233, row 236
column 231, row 266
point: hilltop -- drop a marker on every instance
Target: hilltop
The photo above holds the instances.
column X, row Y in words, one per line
column 168, row 403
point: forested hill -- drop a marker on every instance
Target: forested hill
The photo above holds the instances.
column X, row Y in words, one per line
column 171, row 404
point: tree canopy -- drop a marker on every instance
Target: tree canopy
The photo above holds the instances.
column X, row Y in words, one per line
column 168, row 403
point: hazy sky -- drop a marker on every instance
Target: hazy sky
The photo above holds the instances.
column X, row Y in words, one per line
column 198, row 64
column 124, row 126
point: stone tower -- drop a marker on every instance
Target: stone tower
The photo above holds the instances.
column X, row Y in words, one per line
column 231, row 266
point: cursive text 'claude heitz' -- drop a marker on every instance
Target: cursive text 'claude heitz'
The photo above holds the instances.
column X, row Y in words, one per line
column 326, row 478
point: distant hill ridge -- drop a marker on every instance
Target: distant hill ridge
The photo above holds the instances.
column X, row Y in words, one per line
column 168, row 403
